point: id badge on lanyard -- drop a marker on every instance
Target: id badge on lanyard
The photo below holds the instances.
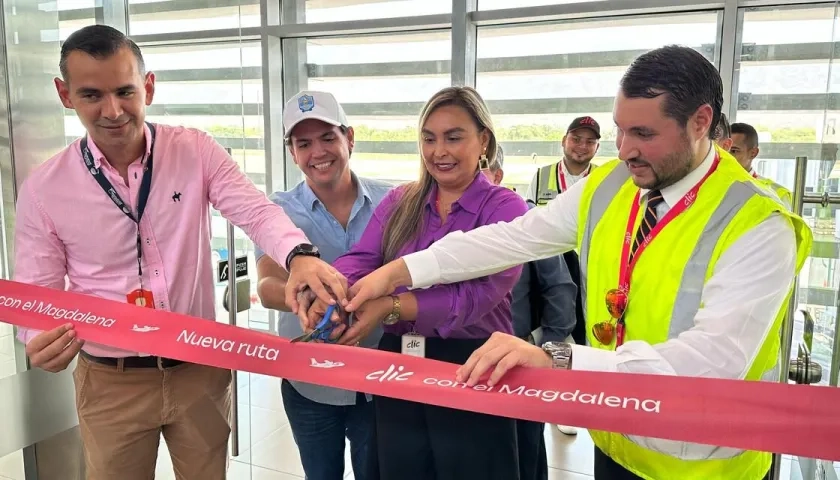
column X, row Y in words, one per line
column 414, row 344
column 141, row 296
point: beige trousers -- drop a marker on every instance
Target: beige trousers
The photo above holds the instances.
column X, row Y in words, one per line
column 124, row 411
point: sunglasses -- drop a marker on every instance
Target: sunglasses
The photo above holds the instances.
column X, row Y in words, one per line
column 607, row 331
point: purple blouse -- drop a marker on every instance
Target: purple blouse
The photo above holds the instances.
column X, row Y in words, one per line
column 471, row 309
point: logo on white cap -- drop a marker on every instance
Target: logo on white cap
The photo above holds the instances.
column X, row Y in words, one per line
column 312, row 105
column 306, row 103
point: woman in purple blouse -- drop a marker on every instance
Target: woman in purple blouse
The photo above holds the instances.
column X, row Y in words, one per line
column 445, row 322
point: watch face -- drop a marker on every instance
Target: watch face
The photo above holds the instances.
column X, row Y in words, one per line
column 390, row 319
column 306, row 248
column 302, row 249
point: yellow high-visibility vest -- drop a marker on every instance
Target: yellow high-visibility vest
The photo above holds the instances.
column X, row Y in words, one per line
column 784, row 194
column 668, row 283
column 548, row 186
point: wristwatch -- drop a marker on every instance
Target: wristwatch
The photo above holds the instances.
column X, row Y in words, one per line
column 302, row 249
column 394, row 316
column 560, row 353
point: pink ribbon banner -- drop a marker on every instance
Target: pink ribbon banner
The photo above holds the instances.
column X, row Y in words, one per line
column 792, row 419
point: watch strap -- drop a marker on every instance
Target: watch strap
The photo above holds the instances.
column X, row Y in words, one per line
column 303, row 249
column 396, row 310
column 560, row 353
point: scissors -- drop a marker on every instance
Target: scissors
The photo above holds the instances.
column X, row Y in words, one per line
column 322, row 330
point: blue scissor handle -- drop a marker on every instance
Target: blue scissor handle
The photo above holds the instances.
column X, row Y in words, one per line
column 325, row 326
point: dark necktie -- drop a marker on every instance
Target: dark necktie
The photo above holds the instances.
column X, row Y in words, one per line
column 654, row 198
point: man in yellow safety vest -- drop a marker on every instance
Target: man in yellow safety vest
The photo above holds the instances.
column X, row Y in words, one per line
column 688, row 264
column 580, row 144
column 745, row 149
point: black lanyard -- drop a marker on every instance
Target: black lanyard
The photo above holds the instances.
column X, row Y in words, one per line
column 142, row 196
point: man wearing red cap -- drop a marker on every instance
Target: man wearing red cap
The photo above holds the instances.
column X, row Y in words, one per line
column 580, row 144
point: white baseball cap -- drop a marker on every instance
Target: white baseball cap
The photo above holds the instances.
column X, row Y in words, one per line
column 316, row 105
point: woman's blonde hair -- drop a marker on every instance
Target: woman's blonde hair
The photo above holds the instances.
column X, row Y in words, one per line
column 407, row 218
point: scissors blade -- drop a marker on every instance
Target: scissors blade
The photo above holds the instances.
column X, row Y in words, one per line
column 306, row 337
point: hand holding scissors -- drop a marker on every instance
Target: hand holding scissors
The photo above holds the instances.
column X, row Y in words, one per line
column 326, row 330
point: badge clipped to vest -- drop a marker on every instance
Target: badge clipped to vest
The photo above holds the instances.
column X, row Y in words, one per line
column 141, row 298
column 414, row 344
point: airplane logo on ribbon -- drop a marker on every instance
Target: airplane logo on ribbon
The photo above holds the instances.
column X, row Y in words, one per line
column 325, row 364
column 145, row 329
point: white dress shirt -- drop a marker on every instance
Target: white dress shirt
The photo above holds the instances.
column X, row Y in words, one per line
column 739, row 302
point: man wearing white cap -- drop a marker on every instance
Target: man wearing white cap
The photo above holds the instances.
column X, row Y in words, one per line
column 332, row 206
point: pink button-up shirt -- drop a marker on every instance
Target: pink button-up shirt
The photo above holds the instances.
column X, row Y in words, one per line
column 70, row 234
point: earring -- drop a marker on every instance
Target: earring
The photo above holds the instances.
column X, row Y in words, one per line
column 483, row 163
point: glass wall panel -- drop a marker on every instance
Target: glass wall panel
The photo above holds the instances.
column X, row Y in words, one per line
column 73, row 15
column 382, row 81
column 787, row 83
column 168, row 16
column 537, row 78
column 317, row 11
column 501, row 4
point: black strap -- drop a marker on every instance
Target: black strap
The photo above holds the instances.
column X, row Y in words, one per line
column 108, row 188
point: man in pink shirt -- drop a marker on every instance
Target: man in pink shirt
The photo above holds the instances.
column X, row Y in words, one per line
column 124, row 214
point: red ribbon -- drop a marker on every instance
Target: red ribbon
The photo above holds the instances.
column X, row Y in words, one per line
column 793, row 419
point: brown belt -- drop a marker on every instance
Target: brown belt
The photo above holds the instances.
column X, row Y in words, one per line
column 135, row 362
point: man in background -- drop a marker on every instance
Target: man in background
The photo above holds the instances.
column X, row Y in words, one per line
column 543, row 303
column 745, row 149
column 580, row 144
column 744, row 145
column 543, row 309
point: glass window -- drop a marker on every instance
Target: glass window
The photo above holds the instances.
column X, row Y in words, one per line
column 318, row 11
column 539, row 77
column 74, row 15
column 166, row 16
column 787, row 86
column 216, row 88
column 501, row 4
column 782, row 82
column 382, row 82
